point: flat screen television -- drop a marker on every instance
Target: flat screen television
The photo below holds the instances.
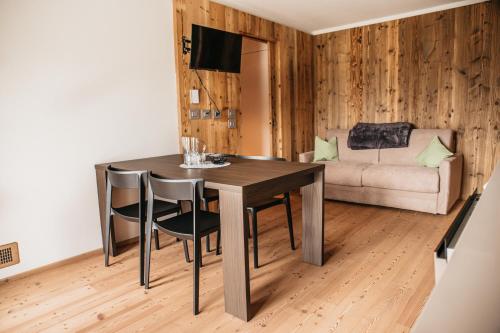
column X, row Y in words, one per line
column 216, row 50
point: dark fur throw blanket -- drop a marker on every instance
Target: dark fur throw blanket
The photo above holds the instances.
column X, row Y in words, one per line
column 379, row 136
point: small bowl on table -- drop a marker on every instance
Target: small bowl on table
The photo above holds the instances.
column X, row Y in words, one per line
column 218, row 159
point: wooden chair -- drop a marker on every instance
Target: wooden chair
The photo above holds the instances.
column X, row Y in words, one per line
column 191, row 225
column 135, row 212
column 254, row 208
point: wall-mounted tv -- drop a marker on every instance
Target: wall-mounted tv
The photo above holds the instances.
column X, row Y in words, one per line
column 216, row 50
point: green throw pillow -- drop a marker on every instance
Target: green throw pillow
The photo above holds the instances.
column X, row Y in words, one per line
column 325, row 151
column 433, row 154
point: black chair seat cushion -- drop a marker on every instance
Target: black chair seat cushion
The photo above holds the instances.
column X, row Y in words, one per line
column 265, row 203
column 161, row 208
column 182, row 225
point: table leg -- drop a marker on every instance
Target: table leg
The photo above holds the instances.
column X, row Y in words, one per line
column 313, row 220
column 101, row 195
column 234, row 221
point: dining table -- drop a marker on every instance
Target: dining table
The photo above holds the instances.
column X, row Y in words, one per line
column 241, row 183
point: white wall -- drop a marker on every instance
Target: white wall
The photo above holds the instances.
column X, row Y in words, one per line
column 69, row 69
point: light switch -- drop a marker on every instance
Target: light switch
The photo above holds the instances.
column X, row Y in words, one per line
column 194, row 96
column 217, row 114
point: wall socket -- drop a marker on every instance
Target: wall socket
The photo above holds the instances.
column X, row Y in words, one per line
column 231, row 123
column 194, row 114
column 206, row 114
column 231, row 113
column 9, row 255
column 217, row 114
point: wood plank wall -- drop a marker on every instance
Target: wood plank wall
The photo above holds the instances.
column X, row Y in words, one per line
column 291, row 80
column 438, row 70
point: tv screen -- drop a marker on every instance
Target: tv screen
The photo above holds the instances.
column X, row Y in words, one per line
column 213, row 49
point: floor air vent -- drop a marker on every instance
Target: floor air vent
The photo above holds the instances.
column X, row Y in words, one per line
column 9, row 255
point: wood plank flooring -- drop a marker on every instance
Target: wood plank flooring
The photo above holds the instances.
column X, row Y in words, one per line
column 377, row 275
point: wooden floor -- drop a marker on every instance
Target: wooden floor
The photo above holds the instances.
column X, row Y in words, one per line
column 377, row 276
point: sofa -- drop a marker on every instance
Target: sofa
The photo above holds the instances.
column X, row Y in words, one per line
column 391, row 177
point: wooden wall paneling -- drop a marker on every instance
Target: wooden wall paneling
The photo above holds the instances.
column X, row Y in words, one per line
column 391, row 71
column 355, row 88
column 438, row 70
column 304, row 106
column 493, row 136
column 272, row 102
column 285, row 82
column 289, row 99
column 408, row 82
column 320, row 75
column 289, row 77
column 459, row 85
column 277, row 98
column 296, row 100
column 340, row 66
column 273, row 99
column 479, row 89
column 443, row 111
column 368, row 92
column 181, row 76
column 426, row 103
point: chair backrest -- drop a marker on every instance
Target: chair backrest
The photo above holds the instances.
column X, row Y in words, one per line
column 125, row 179
column 176, row 189
column 263, row 158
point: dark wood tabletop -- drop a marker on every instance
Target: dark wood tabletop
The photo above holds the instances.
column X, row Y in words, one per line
column 241, row 172
column 247, row 175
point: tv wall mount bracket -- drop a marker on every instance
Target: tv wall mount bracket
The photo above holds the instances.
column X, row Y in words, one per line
column 185, row 45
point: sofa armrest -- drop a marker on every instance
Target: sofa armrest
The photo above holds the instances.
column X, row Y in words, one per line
column 450, row 183
column 306, row 157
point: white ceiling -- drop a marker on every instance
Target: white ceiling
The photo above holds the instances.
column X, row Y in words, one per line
column 321, row 16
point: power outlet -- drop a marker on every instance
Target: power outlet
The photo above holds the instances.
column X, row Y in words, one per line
column 217, row 114
column 194, row 114
column 231, row 123
column 231, row 113
column 9, row 255
column 206, row 114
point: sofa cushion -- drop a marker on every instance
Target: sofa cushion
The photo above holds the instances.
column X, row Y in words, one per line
column 325, row 150
column 346, row 153
column 402, row 177
column 419, row 140
column 344, row 172
column 433, row 155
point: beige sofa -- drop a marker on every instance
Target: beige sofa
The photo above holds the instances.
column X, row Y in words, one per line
column 391, row 177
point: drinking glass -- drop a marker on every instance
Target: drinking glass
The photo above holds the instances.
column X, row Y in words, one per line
column 186, row 145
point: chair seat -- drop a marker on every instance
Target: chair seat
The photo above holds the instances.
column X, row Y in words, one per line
column 265, row 203
column 161, row 208
column 209, row 194
column 181, row 226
